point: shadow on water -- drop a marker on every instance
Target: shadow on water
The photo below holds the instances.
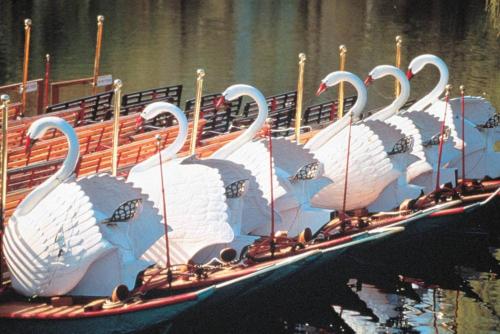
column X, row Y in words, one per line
column 445, row 283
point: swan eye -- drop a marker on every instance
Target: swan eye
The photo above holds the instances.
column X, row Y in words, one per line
column 307, row 172
column 405, row 144
column 236, row 189
column 492, row 122
column 435, row 139
column 125, row 212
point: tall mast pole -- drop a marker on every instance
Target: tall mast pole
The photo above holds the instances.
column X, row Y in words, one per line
column 27, row 36
column 97, row 59
column 300, row 93
column 116, row 124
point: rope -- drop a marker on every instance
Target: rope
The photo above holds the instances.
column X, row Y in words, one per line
column 268, row 131
column 169, row 271
column 347, row 164
column 441, row 140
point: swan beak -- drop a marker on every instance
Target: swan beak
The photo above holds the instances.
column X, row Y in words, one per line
column 409, row 74
column 368, row 80
column 219, row 102
column 29, row 144
column 322, row 87
column 139, row 122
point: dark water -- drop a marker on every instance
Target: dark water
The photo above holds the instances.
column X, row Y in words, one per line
column 153, row 43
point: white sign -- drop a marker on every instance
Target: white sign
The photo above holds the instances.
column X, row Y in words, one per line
column 31, row 86
column 104, row 80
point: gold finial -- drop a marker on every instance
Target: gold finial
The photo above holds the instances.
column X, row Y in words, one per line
column 342, row 49
column 399, row 40
column 117, row 84
column 302, row 57
column 462, row 89
column 448, row 89
column 5, row 98
column 47, row 57
column 27, row 23
column 100, row 18
column 200, row 74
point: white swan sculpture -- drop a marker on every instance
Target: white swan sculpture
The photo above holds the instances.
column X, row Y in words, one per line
column 294, row 169
column 417, row 125
column 80, row 237
column 239, row 185
column 482, row 122
column 377, row 157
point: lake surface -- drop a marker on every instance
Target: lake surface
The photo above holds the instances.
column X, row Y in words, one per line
column 451, row 287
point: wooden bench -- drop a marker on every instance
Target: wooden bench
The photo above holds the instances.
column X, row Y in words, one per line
column 17, row 129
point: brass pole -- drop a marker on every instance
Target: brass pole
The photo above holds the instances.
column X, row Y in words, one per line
column 100, row 22
column 399, row 42
column 116, row 124
column 300, row 93
column 197, row 106
column 27, row 34
column 46, row 82
column 5, row 144
column 343, row 52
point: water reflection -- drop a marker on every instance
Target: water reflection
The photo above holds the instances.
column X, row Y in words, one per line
column 154, row 43
column 446, row 283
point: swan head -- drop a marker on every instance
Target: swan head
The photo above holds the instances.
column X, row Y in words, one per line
column 418, row 63
column 381, row 71
column 336, row 77
column 38, row 129
column 236, row 91
column 157, row 108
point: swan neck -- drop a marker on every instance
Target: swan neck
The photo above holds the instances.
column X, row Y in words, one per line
column 333, row 129
column 171, row 151
column 435, row 93
column 61, row 175
column 247, row 135
column 399, row 101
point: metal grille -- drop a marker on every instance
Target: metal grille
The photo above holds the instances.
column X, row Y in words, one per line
column 492, row 122
column 236, row 189
column 92, row 108
column 326, row 112
column 218, row 120
column 135, row 102
column 435, row 139
column 307, row 172
column 125, row 211
column 403, row 145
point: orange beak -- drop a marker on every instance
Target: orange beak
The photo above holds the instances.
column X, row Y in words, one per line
column 368, row 80
column 322, row 87
column 29, row 144
column 409, row 74
column 139, row 122
column 219, row 102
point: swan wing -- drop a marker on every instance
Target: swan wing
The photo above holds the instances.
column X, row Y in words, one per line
column 50, row 249
column 478, row 110
column 108, row 193
column 370, row 170
column 196, row 209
